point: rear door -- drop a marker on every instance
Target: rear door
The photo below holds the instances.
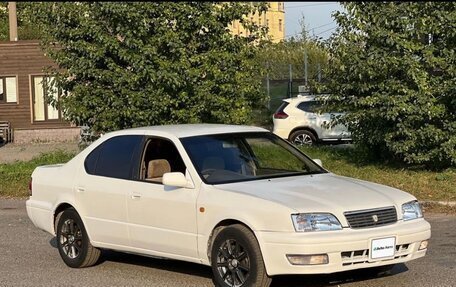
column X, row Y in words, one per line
column 162, row 219
column 320, row 121
column 102, row 187
column 309, row 117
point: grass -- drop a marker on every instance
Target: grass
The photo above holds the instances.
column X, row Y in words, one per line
column 423, row 184
column 14, row 177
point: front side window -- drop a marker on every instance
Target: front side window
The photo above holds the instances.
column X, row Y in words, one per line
column 116, row 157
column 246, row 156
column 8, row 90
column 42, row 109
column 159, row 157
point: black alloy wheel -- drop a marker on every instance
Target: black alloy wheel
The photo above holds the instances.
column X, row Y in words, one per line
column 73, row 242
column 236, row 258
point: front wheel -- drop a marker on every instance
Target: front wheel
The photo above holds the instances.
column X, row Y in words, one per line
column 236, row 259
column 73, row 242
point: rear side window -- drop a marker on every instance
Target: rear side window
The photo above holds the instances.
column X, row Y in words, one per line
column 91, row 160
column 309, row 106
column 282, row 107
column 115, row 157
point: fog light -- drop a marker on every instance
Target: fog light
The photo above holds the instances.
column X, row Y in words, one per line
column 423, row 245
column 297, row 259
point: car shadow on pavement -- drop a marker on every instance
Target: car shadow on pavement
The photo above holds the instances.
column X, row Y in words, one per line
column 163, row 264
column 335, row 279
column 320, row 280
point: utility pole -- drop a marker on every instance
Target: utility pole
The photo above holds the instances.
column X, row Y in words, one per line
column 12, row 16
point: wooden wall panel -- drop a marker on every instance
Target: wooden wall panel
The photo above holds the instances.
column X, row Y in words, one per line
column 23, row 59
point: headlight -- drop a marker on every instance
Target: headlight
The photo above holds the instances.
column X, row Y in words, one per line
column 304, row 222
column 411, row 210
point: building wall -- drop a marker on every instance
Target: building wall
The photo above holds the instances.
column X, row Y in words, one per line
column 274, row 18
column 24, row 59
column 48, row 135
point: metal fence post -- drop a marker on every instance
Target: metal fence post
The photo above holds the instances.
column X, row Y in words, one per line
column 268, row 91
column 290, row 82
column 305, row 67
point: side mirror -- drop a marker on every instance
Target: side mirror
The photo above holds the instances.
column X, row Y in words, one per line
column 318, row 161
column 176, row 179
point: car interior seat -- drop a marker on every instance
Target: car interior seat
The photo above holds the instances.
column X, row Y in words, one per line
column 156, row 168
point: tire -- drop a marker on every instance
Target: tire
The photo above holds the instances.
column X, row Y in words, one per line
column 303, row 137
column 73, row 242
column 236, row 259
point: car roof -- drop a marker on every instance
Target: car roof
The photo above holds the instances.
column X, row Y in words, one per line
column 187, row 130
column 304, row 98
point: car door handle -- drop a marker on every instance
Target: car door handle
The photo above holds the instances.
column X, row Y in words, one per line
column 136, row 196
column 80, row 189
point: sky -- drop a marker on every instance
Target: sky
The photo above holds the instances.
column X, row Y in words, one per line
column 317, row 17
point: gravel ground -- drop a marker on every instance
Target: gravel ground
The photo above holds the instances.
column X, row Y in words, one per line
column 24, row 152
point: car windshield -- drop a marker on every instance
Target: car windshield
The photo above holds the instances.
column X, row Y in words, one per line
column 226, row 158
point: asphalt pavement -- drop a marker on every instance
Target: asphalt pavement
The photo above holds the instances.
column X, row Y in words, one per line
column 28, row 257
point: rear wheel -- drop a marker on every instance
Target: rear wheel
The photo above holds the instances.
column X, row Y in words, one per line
column 73, row 242
column 303, row 137
column 236, row 259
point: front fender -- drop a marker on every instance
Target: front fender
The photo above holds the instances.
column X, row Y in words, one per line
column 221, row 205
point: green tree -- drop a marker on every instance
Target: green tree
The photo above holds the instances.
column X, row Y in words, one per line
column 392, row 68
column 133, row 64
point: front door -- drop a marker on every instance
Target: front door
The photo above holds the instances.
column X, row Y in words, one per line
column 162, row 219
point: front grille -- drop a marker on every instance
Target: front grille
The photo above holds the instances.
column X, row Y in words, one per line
column 371, row 217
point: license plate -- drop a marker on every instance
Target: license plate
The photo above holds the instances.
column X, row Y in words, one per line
column 383, row 247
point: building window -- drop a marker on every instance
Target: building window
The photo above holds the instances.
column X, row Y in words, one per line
column 42, row 110
column 8, row 89
column 267, row 23
column 279, row 5
column 259, row 20
column 280, row 25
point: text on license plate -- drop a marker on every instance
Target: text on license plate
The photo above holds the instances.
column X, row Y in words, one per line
column 383, row 247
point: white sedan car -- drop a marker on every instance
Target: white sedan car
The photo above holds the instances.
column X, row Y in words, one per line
column 237, row 198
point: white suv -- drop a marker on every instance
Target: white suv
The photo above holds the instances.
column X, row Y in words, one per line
column 297, row 121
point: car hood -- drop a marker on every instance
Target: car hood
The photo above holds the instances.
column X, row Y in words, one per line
column 322, row 193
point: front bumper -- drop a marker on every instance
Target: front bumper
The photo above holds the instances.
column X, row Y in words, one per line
column 347, row 249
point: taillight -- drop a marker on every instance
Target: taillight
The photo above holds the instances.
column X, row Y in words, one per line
column 30, row 187
column 280, row 115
